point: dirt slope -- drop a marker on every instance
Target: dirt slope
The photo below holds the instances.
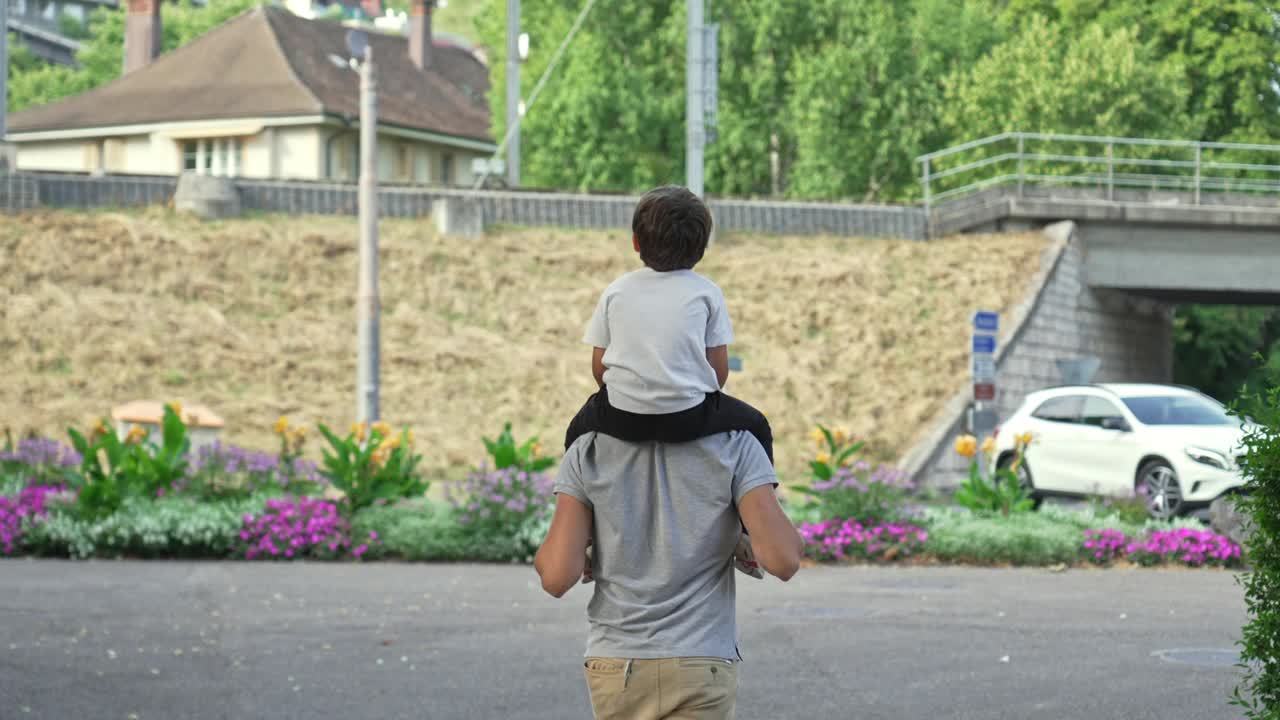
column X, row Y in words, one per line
column 256, row 319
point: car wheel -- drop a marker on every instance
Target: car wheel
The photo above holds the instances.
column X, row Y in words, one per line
column 1023, row 473
column 1164, row 494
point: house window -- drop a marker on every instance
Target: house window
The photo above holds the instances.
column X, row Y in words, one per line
column 446, row 168
column 220, row 157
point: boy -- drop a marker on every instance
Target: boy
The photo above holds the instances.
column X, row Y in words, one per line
column 660, row 339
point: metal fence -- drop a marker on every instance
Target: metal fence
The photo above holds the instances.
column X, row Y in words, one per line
column 93, row 191
column 568, row 210
column 1109, row 166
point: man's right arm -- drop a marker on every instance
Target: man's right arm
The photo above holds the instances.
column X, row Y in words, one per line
column 777, row 545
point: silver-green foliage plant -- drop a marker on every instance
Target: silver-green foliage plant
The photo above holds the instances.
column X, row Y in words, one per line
column 170, row 527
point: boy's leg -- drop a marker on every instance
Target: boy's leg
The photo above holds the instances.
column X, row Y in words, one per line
column 729, row 413
column 588, row 418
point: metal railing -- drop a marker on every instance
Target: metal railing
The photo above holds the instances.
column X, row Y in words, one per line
column 1104, row 164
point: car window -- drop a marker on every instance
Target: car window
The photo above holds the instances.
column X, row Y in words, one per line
column 1097, row 409
column 1179, row 410
column 1065, row 409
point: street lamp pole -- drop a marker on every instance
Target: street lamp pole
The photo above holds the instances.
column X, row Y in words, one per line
column 513, row 92
column 693, row 114
column 367, row 302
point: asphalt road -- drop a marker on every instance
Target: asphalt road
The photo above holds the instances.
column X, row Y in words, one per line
column 161, row 640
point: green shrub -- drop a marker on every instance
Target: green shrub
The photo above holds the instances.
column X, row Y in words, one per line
column 384, row 468
column 171, row 527
column 1260, row 639
column 113, row 471
column 506, row 453
column 423, row 531
column 1003, row 494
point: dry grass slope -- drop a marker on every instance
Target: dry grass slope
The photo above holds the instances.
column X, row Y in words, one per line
column 255, row 318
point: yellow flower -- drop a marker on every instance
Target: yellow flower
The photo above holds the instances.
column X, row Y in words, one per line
column 382, row 428
column 818, row 438
column 136, row 435
column 282, row 425
column 536, row 449
column 99, row 429
column 359, row 430
column 840, row 435
column 390, row 443
column 1025, row 439
column 380, row 455
column 176, row 406
column 988, row 446
column 967, row 446
column 823, row 458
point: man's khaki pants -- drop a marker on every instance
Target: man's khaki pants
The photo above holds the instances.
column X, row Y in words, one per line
column 689, row 688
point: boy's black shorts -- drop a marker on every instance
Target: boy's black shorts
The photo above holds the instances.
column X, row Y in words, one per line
column 718, row 413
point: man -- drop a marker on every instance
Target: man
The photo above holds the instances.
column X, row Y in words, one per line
column 663, row 521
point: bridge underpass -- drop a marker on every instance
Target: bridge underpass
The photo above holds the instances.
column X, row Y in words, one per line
column 1125, row 248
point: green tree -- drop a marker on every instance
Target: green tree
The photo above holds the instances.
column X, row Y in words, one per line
column 1228, row 52
column 612, row 115
column 100, row 55
column 866, row 101
column 1053, row 81
column 1216, row 349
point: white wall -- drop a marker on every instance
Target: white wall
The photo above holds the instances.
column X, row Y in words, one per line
column 55, row 155
column 300, row 152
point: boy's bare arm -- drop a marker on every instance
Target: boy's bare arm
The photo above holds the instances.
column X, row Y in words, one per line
column 719, row 359
column 597, row 365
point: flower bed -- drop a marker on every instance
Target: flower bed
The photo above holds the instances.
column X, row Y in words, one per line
column 1185, row 546
column 838, row 540
column 146, row 500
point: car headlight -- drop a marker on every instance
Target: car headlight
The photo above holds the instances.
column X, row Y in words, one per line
column 1212, row 458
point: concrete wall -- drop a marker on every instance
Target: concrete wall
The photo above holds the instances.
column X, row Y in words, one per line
column 535, row 209
column 1061, row 318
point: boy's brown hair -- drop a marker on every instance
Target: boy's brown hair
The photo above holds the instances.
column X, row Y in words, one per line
column 672, row 227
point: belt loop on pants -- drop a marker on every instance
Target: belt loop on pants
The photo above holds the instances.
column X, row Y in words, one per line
column 626, row 677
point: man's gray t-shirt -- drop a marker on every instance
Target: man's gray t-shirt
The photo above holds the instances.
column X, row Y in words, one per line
column 665, row 527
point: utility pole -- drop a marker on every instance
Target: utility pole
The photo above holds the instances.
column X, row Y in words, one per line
column 367, row 303
column 513, row 92
column 693, row 90
column 4, row 76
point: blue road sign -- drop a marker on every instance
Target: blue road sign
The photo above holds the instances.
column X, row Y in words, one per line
column 984, row 344
column 986, row 321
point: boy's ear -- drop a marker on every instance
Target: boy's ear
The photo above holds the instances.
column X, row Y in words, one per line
column 635, row 242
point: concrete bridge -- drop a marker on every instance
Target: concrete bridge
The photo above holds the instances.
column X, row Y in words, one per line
column 1135, row 226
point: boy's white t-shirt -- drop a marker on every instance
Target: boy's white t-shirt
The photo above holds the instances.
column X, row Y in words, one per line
column 655, row 328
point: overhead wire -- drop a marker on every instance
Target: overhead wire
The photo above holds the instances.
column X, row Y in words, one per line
column 537, row 89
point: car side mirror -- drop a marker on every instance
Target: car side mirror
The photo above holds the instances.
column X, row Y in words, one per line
column 1115, row 423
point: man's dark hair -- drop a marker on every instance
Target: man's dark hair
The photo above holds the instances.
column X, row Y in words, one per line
column 672, row 227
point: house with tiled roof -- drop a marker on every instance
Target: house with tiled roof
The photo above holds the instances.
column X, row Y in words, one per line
column 268, row 95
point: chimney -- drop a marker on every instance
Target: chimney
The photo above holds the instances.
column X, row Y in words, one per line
column 420, row 32
column 141, row 34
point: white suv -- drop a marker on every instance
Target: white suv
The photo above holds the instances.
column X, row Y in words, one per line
column 1174, row 444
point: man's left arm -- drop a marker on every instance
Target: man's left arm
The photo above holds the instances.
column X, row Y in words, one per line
column 562, row 556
